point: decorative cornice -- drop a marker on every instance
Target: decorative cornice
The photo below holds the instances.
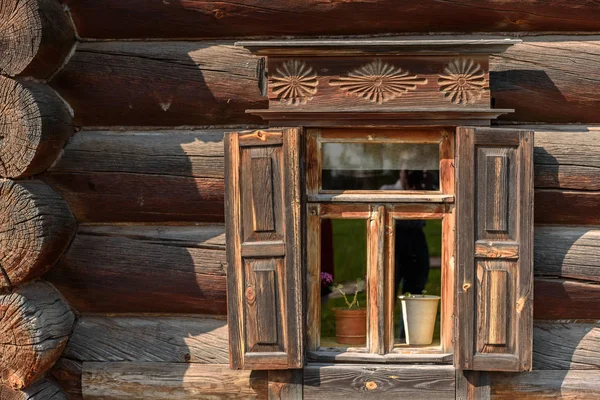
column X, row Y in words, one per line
column 294, row 82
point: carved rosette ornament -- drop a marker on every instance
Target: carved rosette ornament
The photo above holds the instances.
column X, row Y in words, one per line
column 378, row 82
column 462, row 82
column 294, row 82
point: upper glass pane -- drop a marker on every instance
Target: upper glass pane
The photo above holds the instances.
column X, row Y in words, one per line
column 380, row 166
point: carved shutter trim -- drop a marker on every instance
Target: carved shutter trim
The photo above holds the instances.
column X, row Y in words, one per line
column 494, row 268
column 262, row 205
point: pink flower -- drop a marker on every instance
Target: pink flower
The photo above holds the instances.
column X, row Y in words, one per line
column 326, row 278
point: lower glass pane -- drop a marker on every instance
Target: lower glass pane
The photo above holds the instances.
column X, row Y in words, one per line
column 417, row 282
column 343, row 273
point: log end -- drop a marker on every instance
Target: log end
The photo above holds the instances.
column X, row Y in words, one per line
column 36, row 226
column 40, row 390
column 35, row 324
column 34, row 126
column 35, row 37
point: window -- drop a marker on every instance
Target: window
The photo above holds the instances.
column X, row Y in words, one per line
column 276, row 223
column 391, row 189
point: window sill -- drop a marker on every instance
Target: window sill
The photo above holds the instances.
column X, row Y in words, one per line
column 390, row 358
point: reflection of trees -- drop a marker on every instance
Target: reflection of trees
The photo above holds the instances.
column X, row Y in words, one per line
column 378, row 160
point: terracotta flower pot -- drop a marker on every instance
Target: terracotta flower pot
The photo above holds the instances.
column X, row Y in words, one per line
column 350, row 326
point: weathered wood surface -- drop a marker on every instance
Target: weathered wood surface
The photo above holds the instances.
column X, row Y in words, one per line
column 36, row 227
column 35, row 37
column 542, row 385
column 34, row 126
column 567, row 251
column 566, row 345
column 143, row 176
column 285, row 385
column 567, row 207
column 472, row 385
column 96, row 165
column 40, row 390
column 123, row 83
column 149, row 339
column 159, row 381
column 195, row 19
column 566, row 157
column 207, row 83
column 145, row 269
column 67, row 374
column 565, row 299
column 344, row 381
column 35, row 324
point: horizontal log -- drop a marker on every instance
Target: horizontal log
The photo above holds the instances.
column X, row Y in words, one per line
column 35, row 37
column 566, row 345
column 158, row 381
column 144, row 269
column 143, row 176
column 415, row 382
column 197, row 19
column 567, row 207
column 96, row 166
column 123, row 83
column 149, row 339
column 546, row 385
column 35, row 324
column 565, row 299
column 571, row 252
column 36, row 227
column 67, row 374
column 207, row 83
column 41, row 390
column 566, row 157
column 34, row 126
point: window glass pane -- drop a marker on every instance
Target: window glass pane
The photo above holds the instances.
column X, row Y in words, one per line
column 380, row 166
column 417, row 268
column 343, row 273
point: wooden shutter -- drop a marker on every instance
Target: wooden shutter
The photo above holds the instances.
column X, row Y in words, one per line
column 262, row 209
column 494, row 265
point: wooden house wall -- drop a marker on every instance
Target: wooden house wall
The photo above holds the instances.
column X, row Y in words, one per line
column 154, row 84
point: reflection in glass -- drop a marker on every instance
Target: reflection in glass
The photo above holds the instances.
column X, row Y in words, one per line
column 380, row 166
column 417, row 269
column 343, row 272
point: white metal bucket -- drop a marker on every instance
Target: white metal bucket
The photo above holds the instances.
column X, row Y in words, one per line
column 419, row 313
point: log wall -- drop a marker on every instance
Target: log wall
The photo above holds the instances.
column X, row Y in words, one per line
column 144, row 181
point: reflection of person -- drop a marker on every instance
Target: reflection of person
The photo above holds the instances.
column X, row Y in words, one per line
column 411, row 257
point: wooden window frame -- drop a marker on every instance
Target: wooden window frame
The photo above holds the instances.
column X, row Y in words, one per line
column 379, row 209
column 442, row 136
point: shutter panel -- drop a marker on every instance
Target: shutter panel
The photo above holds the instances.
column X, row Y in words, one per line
column 494, row 266
column 262, row 208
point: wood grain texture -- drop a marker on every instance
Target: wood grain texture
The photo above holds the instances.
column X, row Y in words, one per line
column 566, row 345
column 142, row 176
column 34, row 126
column 494, row 295
column 567, row 251
column 196, row 19
column 472, row 385
column 207, row 83
column 415, row 382
column 36, row 227
column 566, row 157
column 40, row 390
column 123, row 83
column 285, row 385
column 35, row 37
column 144, row 269
column 34, row 329
column 149, row 339
column 158, row 381
column 566, row 299
column 568, row 207
column 67, row 374
column 542, row 385
column 265, row 258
